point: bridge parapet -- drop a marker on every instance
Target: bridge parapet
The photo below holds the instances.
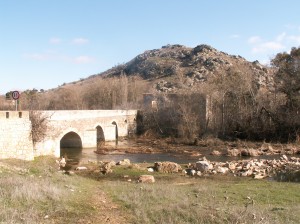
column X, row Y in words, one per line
column 14, row 115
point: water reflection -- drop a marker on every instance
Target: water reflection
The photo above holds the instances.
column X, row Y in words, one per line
column 75, row 156
column 88, row 154
column 72, row 155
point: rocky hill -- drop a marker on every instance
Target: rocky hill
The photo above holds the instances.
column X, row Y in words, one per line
column 172, row 68
column 177, row 66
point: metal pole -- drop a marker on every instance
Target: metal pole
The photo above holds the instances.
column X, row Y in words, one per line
column 16, row 101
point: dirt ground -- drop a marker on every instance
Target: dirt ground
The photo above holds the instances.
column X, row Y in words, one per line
column 107, row 211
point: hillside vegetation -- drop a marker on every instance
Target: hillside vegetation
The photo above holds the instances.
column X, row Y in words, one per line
column 242, row 99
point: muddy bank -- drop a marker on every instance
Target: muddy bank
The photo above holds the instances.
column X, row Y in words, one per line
column 210, row 146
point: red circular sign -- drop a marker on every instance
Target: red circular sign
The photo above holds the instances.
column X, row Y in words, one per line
column 15, row 95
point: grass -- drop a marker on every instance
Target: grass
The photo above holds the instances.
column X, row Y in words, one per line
column 34, row 192
column 218, row 199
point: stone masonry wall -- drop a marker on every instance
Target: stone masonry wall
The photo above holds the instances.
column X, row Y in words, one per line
column 15, row 140
column 84, row 123
column 15, row 129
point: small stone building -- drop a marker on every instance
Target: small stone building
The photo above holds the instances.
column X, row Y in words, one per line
column 193, row 105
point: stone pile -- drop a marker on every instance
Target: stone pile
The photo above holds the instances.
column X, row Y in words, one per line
column 264, row 150
column 256, row 168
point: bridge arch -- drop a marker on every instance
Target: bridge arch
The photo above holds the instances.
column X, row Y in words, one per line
column 100, row 136
column 69, row 139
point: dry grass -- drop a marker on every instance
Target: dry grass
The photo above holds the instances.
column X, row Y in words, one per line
column 35, row 192
column 26, row 199
column 207, row 200
column 29, row 195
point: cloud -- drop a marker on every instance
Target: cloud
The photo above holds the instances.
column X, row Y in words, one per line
column 254, row 39
column 80, row 41
column 83, row 59
column 53, row 56
column 260, row 46
column 267, row 47
column 294, row 38
column 38, row 56
column 292, row 27
column 55, row 40
column 281, row 37
column 283, row 41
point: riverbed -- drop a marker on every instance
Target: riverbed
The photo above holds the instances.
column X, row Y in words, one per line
column 138, row 152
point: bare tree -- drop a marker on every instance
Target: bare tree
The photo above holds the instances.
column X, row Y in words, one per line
column 39, row 126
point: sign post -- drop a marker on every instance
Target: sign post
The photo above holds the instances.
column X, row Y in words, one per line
column 16, row 95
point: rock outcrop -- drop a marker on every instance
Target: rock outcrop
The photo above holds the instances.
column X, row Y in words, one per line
column 192, row 65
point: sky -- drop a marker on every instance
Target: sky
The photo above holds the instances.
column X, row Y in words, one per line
column 45, row 43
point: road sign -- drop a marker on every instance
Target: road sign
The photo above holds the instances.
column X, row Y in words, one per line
column 15, row 95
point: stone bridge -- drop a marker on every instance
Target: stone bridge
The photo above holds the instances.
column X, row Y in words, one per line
column 71, row 128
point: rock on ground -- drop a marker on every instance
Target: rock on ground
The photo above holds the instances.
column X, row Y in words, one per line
column 203, row 166
column 105, row 167
column 167, row 167
column 124, row 162
column 146, row 179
